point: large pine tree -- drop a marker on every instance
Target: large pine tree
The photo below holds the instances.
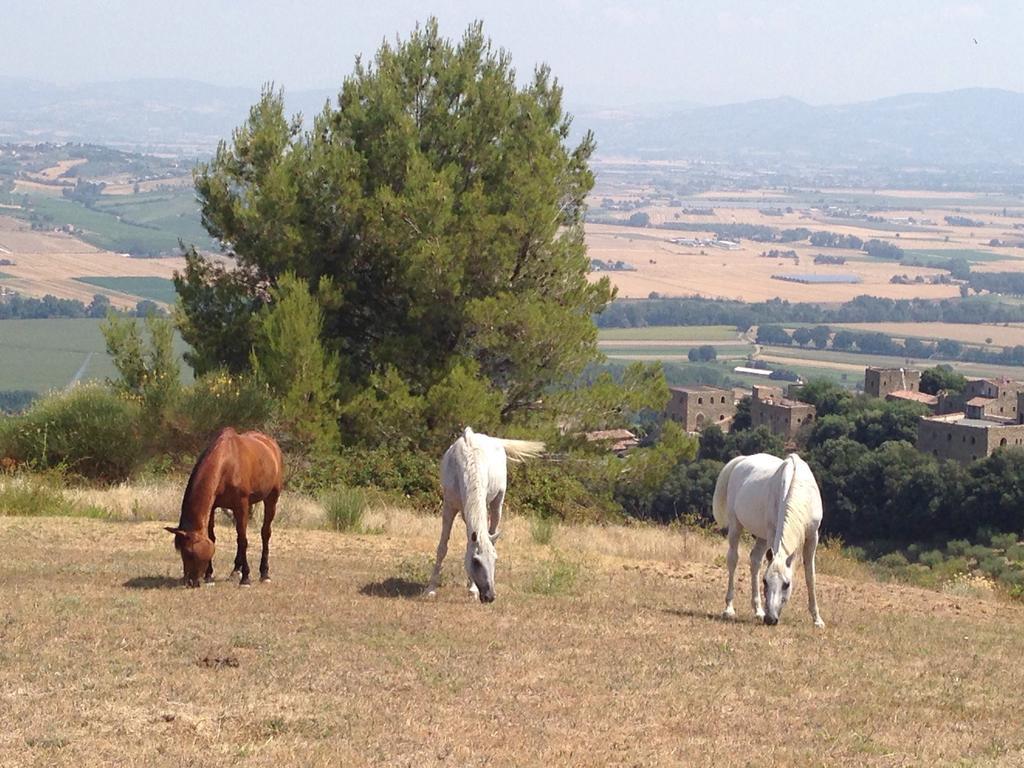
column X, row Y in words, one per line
column 443, row 203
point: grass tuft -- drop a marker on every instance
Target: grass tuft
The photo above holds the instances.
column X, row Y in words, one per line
column 557, row 576
column 345, row 508
column 542, row 530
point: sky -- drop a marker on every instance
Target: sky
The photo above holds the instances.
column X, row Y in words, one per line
column 604, row 52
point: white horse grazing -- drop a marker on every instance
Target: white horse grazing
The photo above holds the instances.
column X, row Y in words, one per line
column 778, row 501
column 474, row 477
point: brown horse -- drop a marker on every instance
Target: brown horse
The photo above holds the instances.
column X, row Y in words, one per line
column 234, row 472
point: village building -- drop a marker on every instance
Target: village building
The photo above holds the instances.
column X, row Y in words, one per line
column 910, row 396
column 879, row 382
column 964, row 438
column 697, row 407
column 782, row 416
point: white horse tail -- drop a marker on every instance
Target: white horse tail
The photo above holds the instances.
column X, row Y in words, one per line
column 718, row 504
column 467, row 435
column 521, row 450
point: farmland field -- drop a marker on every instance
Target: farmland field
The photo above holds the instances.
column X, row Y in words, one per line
column 40, row 355
column 604, row 648
column 49, row 262
column 709, row 333
column 914, row 221
column 156, row 288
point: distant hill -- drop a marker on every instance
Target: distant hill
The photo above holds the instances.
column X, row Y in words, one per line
column 968, row 127
column 135, row 114
column 972, row 127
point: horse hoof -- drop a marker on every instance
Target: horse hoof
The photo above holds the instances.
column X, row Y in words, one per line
column 729, row 615
column 245, row 583
column 819, row 623
column 265, row 579
column 209, row 583
column 236, row 573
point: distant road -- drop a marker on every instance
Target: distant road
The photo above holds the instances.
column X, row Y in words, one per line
column 81, row 371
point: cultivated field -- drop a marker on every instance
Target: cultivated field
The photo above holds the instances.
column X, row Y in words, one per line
column 1007, row 335
column 50, row 262
column 742, row 274
column 604, row 648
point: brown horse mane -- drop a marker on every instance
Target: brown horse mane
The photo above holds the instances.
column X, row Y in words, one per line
column 193, row 478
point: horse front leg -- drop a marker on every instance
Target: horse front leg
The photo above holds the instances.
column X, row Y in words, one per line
column 756, row 555
column 448, row 513
column 269, row 510
column 241, row 555
column 731, row 558
column 810, row 544
column 209, row 532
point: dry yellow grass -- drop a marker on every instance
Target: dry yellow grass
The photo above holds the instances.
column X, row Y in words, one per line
column 741, row 274
column 105, row 661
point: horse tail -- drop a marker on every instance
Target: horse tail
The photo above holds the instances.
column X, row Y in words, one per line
column 718, row 504
column 521, row 450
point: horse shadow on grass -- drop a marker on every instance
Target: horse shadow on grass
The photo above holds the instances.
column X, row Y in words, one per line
column 393, row 587
column 689, row 613
column 152, row 582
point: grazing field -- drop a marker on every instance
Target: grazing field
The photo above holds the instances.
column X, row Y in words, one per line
column 40, row 355
column 50, row 262
column 603, row 648
column 695, row 333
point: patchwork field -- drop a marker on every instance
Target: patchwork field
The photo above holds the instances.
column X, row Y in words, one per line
column 603, row 648
column 51, row 262
column 914, row 221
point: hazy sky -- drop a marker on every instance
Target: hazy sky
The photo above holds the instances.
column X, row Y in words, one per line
column 610, row 52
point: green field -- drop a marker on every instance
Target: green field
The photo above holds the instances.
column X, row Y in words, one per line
column 40, row 355
column 162, row 220
column 4, row 274
column 155, row 288
column 670, row 333
column 940, row 256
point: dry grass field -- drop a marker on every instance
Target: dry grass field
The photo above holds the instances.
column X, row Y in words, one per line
column 603, row 648
column 48, row 262
column 743, row 275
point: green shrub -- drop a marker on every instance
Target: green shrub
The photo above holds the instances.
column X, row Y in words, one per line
column 931, row 558
column 542, row 530
column 31, row 498
column 345, row 508
column 957, row 547
column 978, row 552
column 993, row 565
column 914, row 551
column 893, row 560
column 88, row 430
column 215, row 401
column 857, row 553
column 1003, row 540
column 556, row 576
column 1016, row 552
column 984, row 534
column 1012, row 577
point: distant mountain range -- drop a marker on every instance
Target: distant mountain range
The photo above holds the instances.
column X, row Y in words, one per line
column 144, row 115
column 976, row 126
column 971, row 127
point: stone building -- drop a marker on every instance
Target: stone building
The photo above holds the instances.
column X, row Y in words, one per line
column 697, row 407
column 879, row 382
column 958, row 437
column 768, row 408
column 993, row 398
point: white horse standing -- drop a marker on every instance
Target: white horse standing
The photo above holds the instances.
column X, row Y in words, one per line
column 778, row 501
column 474, row 477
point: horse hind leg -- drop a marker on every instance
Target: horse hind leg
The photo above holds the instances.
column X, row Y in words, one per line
column 810, row 544
column 731, row 558
column 241, row 556
column 269, row 510
column 756, row 555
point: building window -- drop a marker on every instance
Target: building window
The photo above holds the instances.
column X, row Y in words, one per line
column 973, row 441
column 700, row 401
column 1003, row 441
column 723, row 398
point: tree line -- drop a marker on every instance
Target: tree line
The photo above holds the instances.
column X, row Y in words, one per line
column 18, row 307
